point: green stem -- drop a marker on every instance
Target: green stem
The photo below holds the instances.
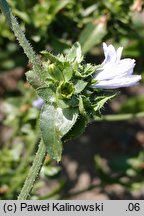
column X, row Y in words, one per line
column 21, row 37
column 34, row 171
column 120, row 117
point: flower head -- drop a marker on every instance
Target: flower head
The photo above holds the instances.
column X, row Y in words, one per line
column 115, row 72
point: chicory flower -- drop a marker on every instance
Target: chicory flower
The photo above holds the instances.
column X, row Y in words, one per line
column 115, row 72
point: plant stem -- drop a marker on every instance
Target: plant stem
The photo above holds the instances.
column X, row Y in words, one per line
column 21, row 37
column 120, row 117
column 37, row 79
column 34, row 171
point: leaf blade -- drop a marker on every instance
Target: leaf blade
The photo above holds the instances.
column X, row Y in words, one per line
column 55, row 123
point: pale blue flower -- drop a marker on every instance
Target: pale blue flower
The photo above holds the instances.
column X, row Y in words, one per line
column 115, row 72
column 38, row 103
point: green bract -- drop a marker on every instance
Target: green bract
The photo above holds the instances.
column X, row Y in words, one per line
column 65, row 90
column 69, row 100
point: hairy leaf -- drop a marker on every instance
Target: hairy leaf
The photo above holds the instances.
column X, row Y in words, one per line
column 75, row 54
column 101, row 101
column 46, row 94
column 55, row 123
column 33, row 79
column 80, row 85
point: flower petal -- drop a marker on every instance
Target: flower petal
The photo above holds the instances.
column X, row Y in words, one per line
column 110, row 53
column 114, row 72
column 118, row 83
column 110, row 71
column 38, row 103
column 119, row 53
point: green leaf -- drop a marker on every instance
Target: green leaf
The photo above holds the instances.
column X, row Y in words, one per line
column 24, row 16
column 33, row 79
column 89, row 69
column 92, row 35
column 81, row 106
column 50, row 56
column 46, row 94
column 75, row 54
column 56, row 71
column 56, row 6
column 59, row 69
column 67, row 71
column 101, row 101
column 63, row 103
column 67, row 103
column 55, row 123
column 85, row 70
column 79, row 86
column 77, row 129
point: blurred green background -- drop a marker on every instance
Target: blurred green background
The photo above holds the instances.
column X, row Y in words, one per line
column 107, row 161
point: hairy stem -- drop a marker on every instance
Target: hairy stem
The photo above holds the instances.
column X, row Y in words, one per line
column 34, row 171
column 21, row 37
column 37, row 80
